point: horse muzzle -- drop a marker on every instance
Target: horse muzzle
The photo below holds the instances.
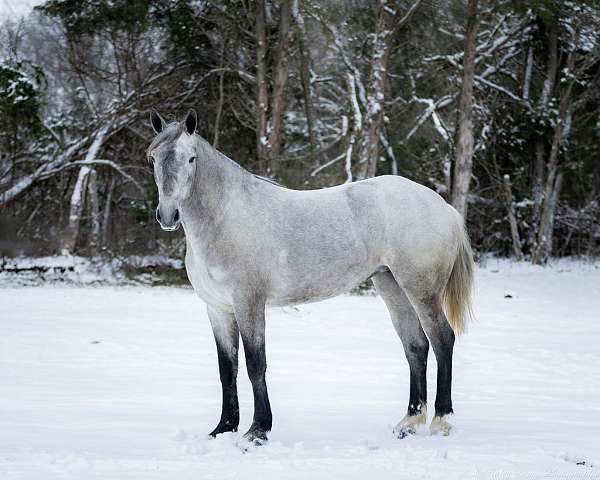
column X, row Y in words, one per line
column 168, row 217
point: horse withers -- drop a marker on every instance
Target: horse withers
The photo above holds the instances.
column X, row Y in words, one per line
column 251, row 243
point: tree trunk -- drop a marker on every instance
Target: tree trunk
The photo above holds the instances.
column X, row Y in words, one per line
column 356, row 125
column 94, row 206
column 108, row 211
column 512, row 218
column 547, row 212
column 546, row 229
column 262, row 94
column 78, row 196
column 463, row 159
column 305, row 76
column 537, row 189
column 528, row 73
column 551, row 69
column 543, row 246
column 554, row 204
column 77, row 201
column 539, row 168
column 281, row 77
column 368, row 154
column 389, row 151
column 217, row 125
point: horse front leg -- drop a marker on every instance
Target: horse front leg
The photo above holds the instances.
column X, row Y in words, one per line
column 250, row 315
column 226, row 334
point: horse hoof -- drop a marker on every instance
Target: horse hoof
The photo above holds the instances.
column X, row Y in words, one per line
column 251, row 440
column 440, row 426
column 256, row 437
column 408, row 425
column 222, row 428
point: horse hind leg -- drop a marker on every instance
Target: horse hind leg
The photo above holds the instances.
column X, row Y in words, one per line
column 416, row 348
column 427, row 301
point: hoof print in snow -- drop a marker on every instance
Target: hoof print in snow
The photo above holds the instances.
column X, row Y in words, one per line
column 95, row 342
column 577, row 460
column 404, row 432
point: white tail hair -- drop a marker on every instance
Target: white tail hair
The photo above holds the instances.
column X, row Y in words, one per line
column 457, row 294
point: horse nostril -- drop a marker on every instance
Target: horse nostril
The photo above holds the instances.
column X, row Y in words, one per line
column 176, row 217
column 157, row 215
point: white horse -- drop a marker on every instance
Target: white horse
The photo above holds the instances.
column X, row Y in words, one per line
column 252, row 243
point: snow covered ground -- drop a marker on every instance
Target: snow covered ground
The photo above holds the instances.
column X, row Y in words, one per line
column 122, row 383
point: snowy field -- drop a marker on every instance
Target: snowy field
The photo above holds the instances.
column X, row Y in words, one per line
column 122, row 383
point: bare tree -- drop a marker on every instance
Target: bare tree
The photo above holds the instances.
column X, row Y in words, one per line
column 553, row 184
column 279, row 85
column 539, row 168
column 78, row 195
column 269, row 114
column 389, row 22
column 512, row 218
column 262, row 92
column 305, row 61
column 463, row 158
column 369, row 143
column 94, row 208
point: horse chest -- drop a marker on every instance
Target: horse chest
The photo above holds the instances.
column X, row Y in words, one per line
column 209, row 281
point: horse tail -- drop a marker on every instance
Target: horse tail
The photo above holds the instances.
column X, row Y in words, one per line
column 457, row 294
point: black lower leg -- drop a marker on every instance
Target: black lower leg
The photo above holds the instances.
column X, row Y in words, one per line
column 230, row 411
column 443, row 347
column 417, row 361
column 250, row 315
column 257, row 366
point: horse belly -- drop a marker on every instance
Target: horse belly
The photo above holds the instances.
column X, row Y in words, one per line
column 320, row 286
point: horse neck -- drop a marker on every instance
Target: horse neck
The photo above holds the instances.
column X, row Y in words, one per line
column 217, row 179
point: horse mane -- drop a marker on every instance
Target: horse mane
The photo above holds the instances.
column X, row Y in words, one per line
column 208, row 148
column 268, row 180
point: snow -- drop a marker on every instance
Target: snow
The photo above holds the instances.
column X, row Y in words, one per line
column 80, row 271
column 121, row 382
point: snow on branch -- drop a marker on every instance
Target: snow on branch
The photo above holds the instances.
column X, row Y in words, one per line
column 429, row 111
column 487, row 48
column 97, row 161
column 341, row 47
column 51, row 163
column 356, row 129
column 404, row 20
column 327, row 164
column 48, row 164
column 501, row 89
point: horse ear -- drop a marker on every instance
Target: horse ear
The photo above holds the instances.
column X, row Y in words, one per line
column 191, row 121
column 156, row 121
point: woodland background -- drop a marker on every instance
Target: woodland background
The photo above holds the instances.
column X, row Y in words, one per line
column 494, row 104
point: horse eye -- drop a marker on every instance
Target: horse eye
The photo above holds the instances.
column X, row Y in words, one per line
column 192, row 159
